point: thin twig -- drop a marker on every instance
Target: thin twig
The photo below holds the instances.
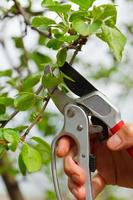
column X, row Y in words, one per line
column 10, row 118
column 75, row 54
column 79, row 43
column 24, row 14
column 16, row 112
column 37, row 119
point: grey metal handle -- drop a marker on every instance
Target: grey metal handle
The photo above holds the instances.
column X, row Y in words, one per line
column 77, row 127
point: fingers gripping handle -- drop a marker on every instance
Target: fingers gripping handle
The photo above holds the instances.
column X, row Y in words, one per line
column 116, row 128
column 76, row 126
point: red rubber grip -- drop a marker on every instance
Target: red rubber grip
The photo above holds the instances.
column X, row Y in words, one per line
column 116, row 128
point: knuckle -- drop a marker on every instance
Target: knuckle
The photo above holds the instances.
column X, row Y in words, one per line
column 67, row 169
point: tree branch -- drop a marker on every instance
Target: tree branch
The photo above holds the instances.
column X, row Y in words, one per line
column 10, row 181
column 37, row 119
column 16, row 112
column 27, row 22
column 78, row 45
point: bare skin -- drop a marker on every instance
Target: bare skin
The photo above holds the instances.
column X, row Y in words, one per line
column 114, row 165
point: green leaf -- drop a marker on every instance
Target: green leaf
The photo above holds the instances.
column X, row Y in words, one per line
column 31, row 158
column 7, row 73
column 42, row 40
column 12, row 137
column 86, row 29
column 56, row 6
column 44, row 149
column 7, row 101
column 21, row 164
column 68, row 38
column 1, row 133
column 84, row 4
column 2, row 109
column 41, row 21
column 115, row 40
column 106, row 13
column 4, row 117
column 2, row 150
column 40, row 59
column 50, row 195
column 54, row 44
column 20, row 128
column 80, row 14
column 59, row 8
column 50, row 81
column 47, row 2
column 61, row 56
column 24, row 101
column 31, row 81
column 57, row 32
column 18, row 42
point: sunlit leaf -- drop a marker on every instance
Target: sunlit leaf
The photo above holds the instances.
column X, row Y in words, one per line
column 61, row 56
column 44, row 149
column 21, row 164
column 7, row 101
column 84, row 4
column 31, row 158
column 7, row 73
column 24, row 101
column 2, row 109
column 54, row 44
column 40, row 59
column 50, row 81
column 31, row 81
column 41, row 21
column 106, row 13
column 12, row 137
column 86, row 29
column 115, row 40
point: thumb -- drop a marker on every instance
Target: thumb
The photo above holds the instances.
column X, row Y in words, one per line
column 123, row 139
column 98, row 184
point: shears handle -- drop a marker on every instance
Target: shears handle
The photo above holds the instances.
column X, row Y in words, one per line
column 116, row 128
column 76, row 126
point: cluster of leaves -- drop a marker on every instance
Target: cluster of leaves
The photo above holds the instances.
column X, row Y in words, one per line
column 86, row 21
column 32, row 157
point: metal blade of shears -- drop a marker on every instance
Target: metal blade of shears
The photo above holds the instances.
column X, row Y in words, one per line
column 59, row 98
column 82, row 87
column 78, row 85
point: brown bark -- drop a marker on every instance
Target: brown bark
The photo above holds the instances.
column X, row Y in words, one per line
column 12, row 187
column 10, row 181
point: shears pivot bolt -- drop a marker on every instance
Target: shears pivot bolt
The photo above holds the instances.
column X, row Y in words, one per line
column 71, row 113
column 80, row 127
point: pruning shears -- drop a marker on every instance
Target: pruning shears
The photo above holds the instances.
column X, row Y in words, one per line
column 91, row 105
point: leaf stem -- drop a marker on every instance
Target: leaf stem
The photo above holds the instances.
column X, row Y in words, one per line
column 78, row 43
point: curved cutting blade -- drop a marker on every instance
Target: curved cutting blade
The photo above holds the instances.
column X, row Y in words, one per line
column 78, row 85
column 59, row 98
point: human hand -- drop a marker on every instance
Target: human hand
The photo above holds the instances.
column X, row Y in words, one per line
column 114, row 165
